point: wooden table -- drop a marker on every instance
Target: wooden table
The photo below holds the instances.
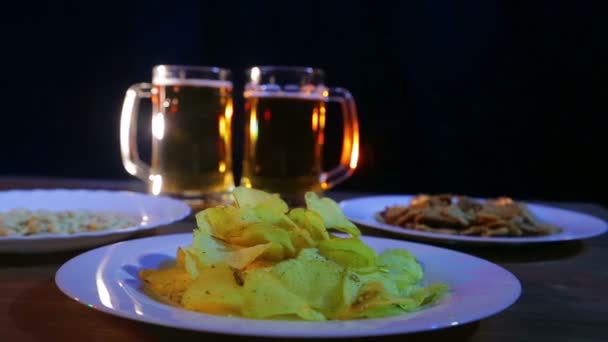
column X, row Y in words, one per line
column 564, row 295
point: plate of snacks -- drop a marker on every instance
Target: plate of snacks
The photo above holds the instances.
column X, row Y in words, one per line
column 457, row 218
column 259, row 268
column 51, row 220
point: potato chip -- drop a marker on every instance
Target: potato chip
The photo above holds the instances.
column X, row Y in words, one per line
column 350, row 252
column 371, row 301
column 209, row 251
column 313, row 278
column 374, row 300
column 217, row 292
column 301, row 239
column 280, row 242
column 311, row 221
column 401, row 266
column 259, row 260
column 168, row 284
column 299, row 236
column 224, row 222
column 271, row 215
column 180, row 258
column 246, row 197
column 267, row 297
column 330, row 212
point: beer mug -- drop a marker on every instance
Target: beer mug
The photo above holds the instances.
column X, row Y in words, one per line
column 191, row 132
column 285, row 114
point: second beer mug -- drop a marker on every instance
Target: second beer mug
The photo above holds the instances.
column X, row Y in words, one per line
column 285, row 113
column 191, row 133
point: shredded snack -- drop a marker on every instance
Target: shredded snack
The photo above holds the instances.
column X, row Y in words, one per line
column 461, row 215
column 31, row 222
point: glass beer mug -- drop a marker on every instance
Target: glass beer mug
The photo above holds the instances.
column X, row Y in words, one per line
column 191, row 132
column 285, row 114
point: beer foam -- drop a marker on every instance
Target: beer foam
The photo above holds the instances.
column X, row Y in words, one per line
column 162, row 81
column 287, row 95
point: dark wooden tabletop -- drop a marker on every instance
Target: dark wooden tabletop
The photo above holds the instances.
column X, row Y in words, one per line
column 564, row 294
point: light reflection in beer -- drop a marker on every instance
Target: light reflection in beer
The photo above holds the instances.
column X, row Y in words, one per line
column 157, row 184
column 246, row 182
column 226, row 125
column 354, row 156
column 322, row 125
column 228, row 111
column 174, row 106
column 315, row 119
column 222, row 127
column 158, row 126
column 347, row 149
column 222, row 166
column 253, row 127
column 322, row 118
column 154, row 92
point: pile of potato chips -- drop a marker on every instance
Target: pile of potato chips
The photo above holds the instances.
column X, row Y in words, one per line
column 259, row 259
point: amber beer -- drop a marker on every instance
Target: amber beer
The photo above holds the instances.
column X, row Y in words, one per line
column 191, row 128
column 283, row 141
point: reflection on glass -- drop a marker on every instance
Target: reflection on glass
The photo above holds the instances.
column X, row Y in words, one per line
column 158, row 126
column 125, row 119
column 157, row 183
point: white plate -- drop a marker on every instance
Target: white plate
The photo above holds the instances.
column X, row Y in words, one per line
column 151, row 211
column 574, row 225
column 106, row 279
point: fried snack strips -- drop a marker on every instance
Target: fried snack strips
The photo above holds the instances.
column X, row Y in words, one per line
column 461, row 215
column 259, row 259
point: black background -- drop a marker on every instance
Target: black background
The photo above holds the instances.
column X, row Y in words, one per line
column 484, row 97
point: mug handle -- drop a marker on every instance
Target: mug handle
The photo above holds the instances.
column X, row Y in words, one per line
column 350, row 139
column 128, row 131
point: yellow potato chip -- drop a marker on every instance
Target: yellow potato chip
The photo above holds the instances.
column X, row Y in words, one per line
column 331, row 214
column 263, row 233
column 167, row 284
column 217, row 290
column 313, row 278
column 350, row 252
column 311, row 221
column 260, row 260
column 208, row 251
column 267, row 297
column 246, row 197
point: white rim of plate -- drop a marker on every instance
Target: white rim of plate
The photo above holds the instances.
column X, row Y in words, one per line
column 305, row 329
